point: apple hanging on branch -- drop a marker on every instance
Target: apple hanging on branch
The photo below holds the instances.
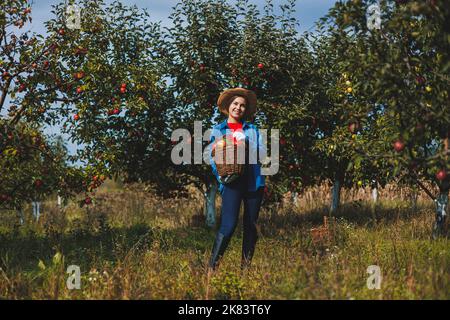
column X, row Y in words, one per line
column 399, row 145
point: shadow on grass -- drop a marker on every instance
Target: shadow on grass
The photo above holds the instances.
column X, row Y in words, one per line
column 21, row 249
column 357, row 212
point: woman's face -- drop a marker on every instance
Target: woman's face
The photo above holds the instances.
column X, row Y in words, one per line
column 237, row 108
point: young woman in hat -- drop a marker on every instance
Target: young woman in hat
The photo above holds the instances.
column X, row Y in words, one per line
column 239, row 105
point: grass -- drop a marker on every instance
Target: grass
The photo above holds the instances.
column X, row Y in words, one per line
column 130, row 245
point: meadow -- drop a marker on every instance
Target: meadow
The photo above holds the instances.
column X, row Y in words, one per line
column 130, row 244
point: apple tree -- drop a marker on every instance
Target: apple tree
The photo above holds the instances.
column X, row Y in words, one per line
column 343, row 130
column 113, row 95
column 215, row 46
column 400, row 67
column 33, row 165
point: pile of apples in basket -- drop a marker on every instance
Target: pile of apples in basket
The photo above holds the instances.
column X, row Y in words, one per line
column 226, row 152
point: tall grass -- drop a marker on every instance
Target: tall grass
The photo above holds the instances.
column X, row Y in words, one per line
column 132, row 245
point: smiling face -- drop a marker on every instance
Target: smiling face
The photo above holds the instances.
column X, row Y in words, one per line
column 237, row 107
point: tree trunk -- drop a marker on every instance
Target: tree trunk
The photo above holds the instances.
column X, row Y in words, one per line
column 336, row 195
column 210, row 203
column 441, row 213
column 20, row 215
column 374, row 201
column 36, row 205
column 414, row 196
column 375, row 195
column 294, row 198
column 62, row 203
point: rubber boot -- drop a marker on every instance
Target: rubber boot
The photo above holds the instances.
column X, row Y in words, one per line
column 248, row 249
column 220, row 245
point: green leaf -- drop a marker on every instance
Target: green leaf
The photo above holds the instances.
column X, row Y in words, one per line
column 57, row 258
column 41, row 265
column 350, row 166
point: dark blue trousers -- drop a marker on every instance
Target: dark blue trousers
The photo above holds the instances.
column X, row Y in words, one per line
column 232, row 196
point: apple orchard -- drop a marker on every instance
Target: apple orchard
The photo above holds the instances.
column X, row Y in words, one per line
column 354, row 106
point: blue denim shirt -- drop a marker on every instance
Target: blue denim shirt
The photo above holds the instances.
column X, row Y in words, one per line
column 254, row 139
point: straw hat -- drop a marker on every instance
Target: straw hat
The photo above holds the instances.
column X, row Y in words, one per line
column 224, row 100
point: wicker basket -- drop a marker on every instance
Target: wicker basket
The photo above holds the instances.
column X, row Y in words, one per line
column 229, row 156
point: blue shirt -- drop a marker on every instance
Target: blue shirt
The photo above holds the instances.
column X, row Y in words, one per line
column 254, row 139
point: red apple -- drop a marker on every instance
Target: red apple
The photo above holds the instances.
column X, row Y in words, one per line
column 38, row 183
column 420, row 80
column 282, row 141
column 123, row 89
column 351, row 127
column 76, row 117
column 260, row 66
column 79, row 75
column 19, row 23
column 53, row 46
column 88, row 200
column 441, row 175
column 22, row 87
column 46, row 64
column 61, row 31
column 79, row 90
column 399, row 145
column 116, row 111
column 80, row 51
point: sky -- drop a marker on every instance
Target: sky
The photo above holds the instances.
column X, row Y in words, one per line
column 307, row 12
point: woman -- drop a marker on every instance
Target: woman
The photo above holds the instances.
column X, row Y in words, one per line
column 239, row 105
